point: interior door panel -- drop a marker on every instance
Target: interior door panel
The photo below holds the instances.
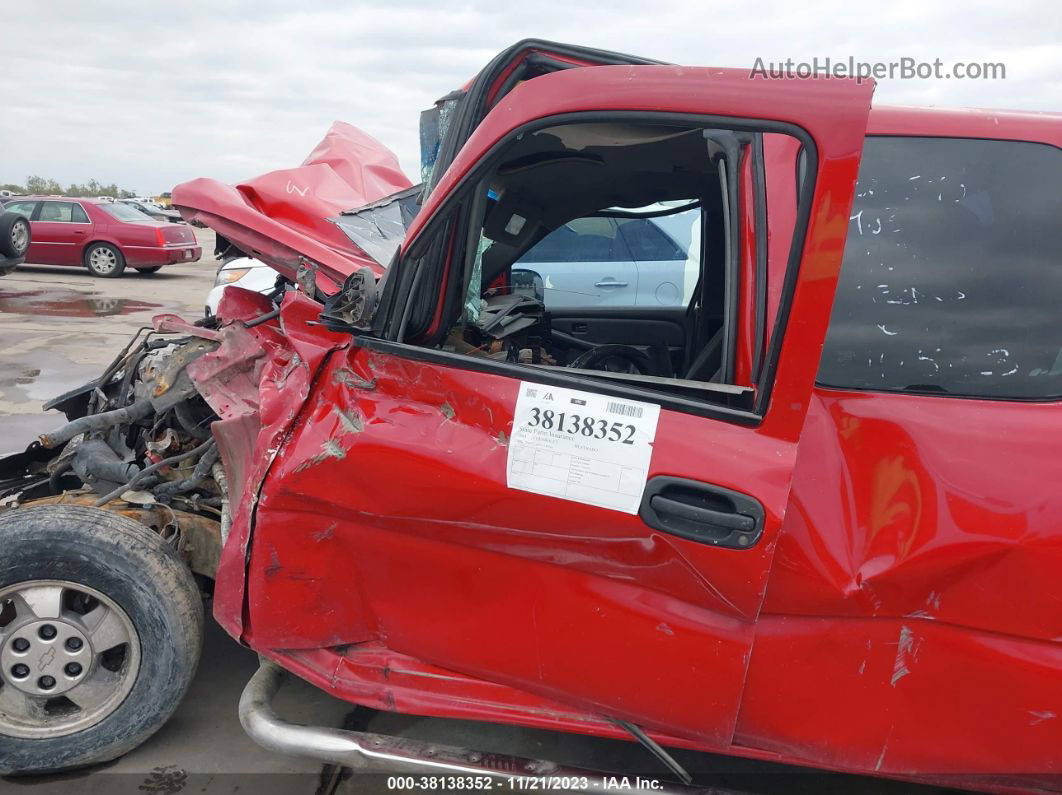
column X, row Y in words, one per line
column 660, row 327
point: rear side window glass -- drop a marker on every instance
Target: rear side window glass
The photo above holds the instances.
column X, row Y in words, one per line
column 607, row 239
column 23, row 208
column 581, row 240
column 77, row 214
column 59, row 211
column 123, row 212
column 951, row 282
column 647, row 242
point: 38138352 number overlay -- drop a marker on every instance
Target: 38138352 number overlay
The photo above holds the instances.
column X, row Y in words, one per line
column 581, row 446
column 579, row 425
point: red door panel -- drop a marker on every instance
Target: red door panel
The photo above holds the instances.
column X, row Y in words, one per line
column 453, row 567
column 917, row 562
column 59, row 242
column 386, row 515
column 925, row 527
column 916, row 579
column 52, row 244
column 913, row 697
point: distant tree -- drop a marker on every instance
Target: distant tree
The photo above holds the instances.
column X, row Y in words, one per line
column 11, row 186
column 35, row 184
column 40, row 185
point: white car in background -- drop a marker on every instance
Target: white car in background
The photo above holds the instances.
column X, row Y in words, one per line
column 620, row 260
column 244, row 272
column 647, row 257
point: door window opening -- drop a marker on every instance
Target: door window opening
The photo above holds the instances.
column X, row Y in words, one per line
column 612, row 249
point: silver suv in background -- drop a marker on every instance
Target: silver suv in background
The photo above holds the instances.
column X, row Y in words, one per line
column 643, row 258
column 624, row 258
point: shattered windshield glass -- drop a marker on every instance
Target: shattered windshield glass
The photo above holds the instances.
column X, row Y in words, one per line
column 434, row 123
column 379, row 228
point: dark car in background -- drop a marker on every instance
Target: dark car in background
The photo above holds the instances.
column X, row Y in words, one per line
column 104, row 237
column 154, row 211
column 15, row 238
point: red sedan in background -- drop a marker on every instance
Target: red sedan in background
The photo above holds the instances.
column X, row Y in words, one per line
column 105, row 237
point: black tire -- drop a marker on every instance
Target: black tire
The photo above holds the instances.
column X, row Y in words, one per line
column 13, row 244
column 152, row 269
column 130, row 565
column 104, row 252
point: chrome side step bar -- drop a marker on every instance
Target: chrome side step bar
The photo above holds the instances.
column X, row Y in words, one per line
column 365, row 752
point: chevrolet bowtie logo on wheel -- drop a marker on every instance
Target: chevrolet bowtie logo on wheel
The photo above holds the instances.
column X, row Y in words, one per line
column 45, row 660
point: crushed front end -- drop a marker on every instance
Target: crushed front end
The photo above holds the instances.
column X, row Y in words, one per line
column 138, row 439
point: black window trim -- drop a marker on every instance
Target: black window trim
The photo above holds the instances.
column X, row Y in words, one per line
column 835, row 389
column 560, row 378
column 759, row 197
column 737, row 148
column 455, row 205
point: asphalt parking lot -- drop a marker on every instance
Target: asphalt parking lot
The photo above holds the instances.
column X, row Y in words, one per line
column 60, row 327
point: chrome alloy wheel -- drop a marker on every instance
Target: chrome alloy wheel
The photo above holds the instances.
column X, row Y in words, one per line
column 68, row 658
column 20, row 237
column 103, row 260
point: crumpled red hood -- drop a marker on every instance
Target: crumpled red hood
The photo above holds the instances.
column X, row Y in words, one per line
column 282, row 216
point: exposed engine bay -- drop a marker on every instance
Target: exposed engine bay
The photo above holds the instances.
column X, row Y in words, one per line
column 139, row 442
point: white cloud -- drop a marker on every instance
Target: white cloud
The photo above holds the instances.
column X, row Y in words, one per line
column 149, row 95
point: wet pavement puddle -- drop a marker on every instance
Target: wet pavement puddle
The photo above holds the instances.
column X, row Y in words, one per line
column 68, row 303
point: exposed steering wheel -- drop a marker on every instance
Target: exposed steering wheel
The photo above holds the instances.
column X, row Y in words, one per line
column 614, row 359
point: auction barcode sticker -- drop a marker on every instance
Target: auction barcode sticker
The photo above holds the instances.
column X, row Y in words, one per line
column 626, row 409
column 581, row 446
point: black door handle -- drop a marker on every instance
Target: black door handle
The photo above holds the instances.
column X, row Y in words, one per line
column 702, row 512
column 665, row 506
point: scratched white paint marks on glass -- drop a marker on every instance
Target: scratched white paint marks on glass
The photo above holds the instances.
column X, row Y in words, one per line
column 951, row 282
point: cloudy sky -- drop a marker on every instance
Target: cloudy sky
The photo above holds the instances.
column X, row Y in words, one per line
column 148, row 94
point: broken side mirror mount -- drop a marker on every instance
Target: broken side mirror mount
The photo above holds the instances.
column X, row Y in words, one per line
column 352, row 308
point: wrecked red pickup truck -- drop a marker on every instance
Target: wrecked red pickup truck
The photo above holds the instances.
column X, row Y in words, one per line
column 731, row 522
